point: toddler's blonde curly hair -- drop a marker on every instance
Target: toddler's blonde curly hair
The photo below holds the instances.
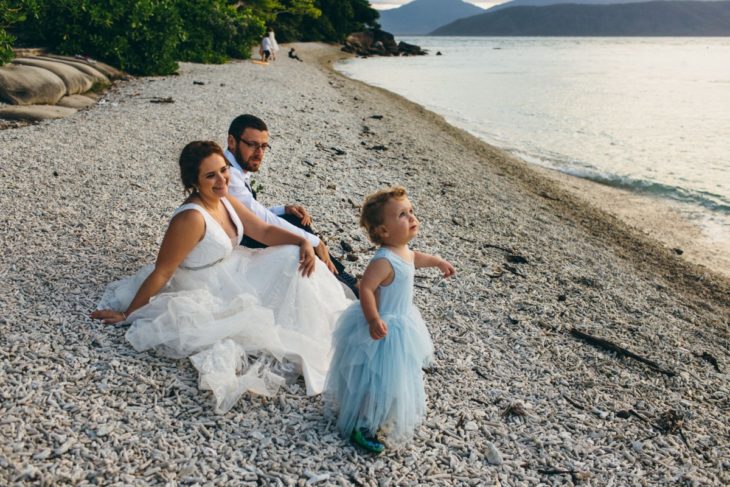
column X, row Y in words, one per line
column 371, row 215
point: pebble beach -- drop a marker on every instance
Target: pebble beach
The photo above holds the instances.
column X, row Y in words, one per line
column 526, row 388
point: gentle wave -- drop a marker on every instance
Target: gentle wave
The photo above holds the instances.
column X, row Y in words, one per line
column 707, row 200
column 713, row 202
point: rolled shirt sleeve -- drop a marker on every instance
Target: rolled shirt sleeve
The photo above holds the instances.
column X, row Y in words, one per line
column 237, row 188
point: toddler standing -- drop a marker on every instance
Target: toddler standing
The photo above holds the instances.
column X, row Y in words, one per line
column 375, row 381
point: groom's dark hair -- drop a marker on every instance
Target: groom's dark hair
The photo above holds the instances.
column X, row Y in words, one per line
column 243, row 122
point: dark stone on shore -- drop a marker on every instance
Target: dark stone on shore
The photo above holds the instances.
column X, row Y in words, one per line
column 376, row 42
column 406, row 49
column 159, row 99
column 516, row 259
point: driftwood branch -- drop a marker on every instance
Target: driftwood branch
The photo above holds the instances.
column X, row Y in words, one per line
column 574, row 403
column 621, row 351
column 481, row 374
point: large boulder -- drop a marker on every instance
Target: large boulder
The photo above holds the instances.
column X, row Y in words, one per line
column 76, row 81
column 406, row 49
column 76, row 101
column 373, row 41
column 35, row 113
column 99, row 78
column 378, row 42
column 29, row 85
column 108, row 71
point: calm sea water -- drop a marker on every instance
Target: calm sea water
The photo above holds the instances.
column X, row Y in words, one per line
column 646, row 114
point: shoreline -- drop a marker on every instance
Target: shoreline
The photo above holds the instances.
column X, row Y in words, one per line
column 664, row 220
column 659, row 220
column 645, row 249
column 513, row 393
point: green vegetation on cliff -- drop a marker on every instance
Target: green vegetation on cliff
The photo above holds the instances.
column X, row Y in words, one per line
column 150, row 36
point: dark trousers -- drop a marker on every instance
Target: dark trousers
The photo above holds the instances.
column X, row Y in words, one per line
column 247, row 241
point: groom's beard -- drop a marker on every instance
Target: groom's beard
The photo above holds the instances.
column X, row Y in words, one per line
column 243, row 162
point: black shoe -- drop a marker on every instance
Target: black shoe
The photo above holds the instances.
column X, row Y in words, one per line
column 350, row 281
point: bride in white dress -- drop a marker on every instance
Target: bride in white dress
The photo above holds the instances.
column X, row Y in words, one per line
column 221, row 304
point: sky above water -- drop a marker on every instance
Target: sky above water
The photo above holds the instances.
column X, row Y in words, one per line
column 388, row 4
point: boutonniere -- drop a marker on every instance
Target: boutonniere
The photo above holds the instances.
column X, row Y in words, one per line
column 256, row 187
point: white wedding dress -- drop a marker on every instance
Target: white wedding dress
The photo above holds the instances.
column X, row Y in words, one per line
column 244, row 317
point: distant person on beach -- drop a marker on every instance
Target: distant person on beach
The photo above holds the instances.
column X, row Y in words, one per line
column 293, row 55
column 273, row 43
column 265, row 49
column 375, row 381
column 248, row 141
column 211, row 299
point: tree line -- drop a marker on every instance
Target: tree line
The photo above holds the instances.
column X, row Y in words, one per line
column 149, row 37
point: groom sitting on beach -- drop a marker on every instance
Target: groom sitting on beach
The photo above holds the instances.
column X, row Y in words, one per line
column 248, row 140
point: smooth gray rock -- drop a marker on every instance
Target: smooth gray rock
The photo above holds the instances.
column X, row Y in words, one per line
column 76, row 81
column 109, row 71
column 28, row 85
column 493, row 455
column 76, row 101
column 35, row 113
column 99, row 77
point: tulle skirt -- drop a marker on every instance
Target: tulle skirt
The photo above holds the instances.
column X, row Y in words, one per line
column 254, row 303
column 378, row 384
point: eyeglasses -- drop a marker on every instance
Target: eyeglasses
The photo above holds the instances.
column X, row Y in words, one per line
column 255, row 145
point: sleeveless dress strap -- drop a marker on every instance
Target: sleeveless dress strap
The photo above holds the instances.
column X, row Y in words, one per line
column 207, row 218
column 190, row 206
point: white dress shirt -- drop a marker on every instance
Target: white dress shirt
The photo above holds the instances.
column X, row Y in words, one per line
column 238, row 187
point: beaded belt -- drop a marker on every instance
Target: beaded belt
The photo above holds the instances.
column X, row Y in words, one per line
column 187, row 268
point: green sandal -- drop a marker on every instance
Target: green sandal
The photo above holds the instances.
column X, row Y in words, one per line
column 373, row 445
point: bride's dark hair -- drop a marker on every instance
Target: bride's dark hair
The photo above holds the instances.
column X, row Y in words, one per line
column 191, row 157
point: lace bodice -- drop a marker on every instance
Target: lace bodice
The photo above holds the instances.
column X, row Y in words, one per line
column 216, row 245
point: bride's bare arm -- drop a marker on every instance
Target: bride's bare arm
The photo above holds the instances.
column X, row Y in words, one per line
column 258, row 229
column 185, row 231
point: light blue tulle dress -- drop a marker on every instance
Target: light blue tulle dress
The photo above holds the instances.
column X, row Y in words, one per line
column 378, row 384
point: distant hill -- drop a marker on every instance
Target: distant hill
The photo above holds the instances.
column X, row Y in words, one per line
column 544, row 3
column 422, row 16
column 658, row 18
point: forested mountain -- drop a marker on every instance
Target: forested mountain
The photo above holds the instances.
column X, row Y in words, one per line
column 422, row 16
column 658, row 18
column 544, row 3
